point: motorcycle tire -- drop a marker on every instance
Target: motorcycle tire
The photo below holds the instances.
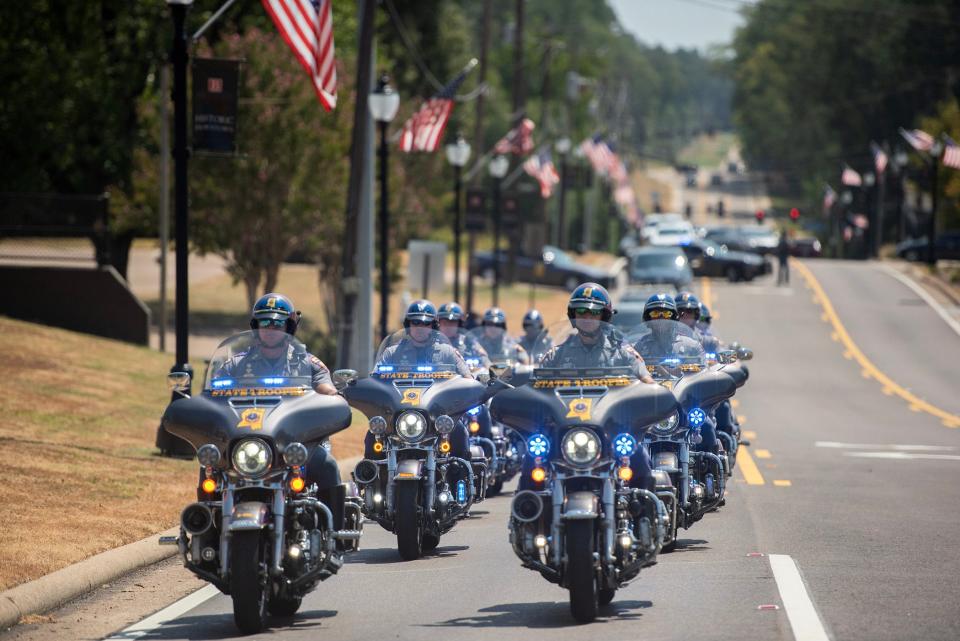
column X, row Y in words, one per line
column 248, row 593
column 581, row 577
column 280, row 607
column 605, row 596
column 409, row 523
column 430, row 542
column 496, row 488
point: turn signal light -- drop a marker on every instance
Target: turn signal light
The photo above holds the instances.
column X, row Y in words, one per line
column 474, row 427
column 538, row 474
column 297, row 484
column 444, row 446
column 378, row 447
column 209, row 486
column 625, row 473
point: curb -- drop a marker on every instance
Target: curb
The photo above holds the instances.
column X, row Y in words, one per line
column 55, row 589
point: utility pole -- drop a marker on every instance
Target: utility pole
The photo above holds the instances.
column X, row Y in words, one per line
column 360, row 140
column 164, row 198
column 484, row 47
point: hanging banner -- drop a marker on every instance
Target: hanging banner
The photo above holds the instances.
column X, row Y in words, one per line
column 215, row 87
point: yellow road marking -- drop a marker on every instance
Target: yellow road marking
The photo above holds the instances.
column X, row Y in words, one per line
column 706, row 294
column 748, row 468
column 782, row 483
column 741, row 419
column 735, row 402
column 749, row 434
column 840, row 334
column 762, row 453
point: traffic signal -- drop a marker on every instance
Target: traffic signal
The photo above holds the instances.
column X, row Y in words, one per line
column 794, row 214
column 760, row 215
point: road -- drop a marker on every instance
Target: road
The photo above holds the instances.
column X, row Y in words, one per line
column 851, row 473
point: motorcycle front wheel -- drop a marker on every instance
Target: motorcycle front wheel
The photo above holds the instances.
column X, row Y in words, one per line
column 248, row 593
column 409, row 524
column 581, row 577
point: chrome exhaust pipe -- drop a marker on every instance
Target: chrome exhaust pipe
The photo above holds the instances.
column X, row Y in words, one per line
column 196, row 519
column 366, row 472
column 527, row 506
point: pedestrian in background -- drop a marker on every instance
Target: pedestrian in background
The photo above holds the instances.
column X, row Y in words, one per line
column 783, row 255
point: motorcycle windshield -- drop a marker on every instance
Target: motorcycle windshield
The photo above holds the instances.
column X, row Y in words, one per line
column 502, row 349
column 262, row 358
column 417, row 349
column 585, row 347
column 668, row 347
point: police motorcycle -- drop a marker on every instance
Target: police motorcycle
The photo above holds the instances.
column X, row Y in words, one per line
column 506, row 444
column 575, row 518
column 420, row 488
column 259, row 531
column 690, row 483
column 729, row 359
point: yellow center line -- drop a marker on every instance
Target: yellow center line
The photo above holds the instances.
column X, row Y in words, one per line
column 706, row 294
column 782, row 483
column 762, row 453
column 751, row 474
column 869, row 370
column 749, row 434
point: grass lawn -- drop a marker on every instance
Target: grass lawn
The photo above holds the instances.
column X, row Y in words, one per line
column 708, row 151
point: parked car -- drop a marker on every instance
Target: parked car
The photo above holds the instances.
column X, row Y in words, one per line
column 667, row 265
column 641, row 292
column 672, row 233
column 629, row 315
column 808, row 247
column 651, row 221
column 707, row 258
column 947, row 247
column 758, row 239
column 556, row 267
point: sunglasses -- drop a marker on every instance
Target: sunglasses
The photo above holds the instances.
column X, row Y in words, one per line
column 420, row 323
column 586, row 311
column 271, row 322
column 660, row 313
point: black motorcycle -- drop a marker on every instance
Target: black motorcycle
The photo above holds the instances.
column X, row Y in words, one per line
column 576, row 519
column 259, row 532
column 417, row 487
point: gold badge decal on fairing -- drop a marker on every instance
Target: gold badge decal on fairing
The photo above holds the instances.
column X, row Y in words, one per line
column 411, row 397
column 252, row 418
column 580, row 408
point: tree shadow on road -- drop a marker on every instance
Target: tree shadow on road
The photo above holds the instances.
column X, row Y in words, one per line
column 544, row 614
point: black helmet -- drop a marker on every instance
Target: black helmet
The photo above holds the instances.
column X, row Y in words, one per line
column 275, row 307
column 687, row 302
column 591, row 296
column 421, row 310
column 451, row 311
column 533, row 320
column 496, row 317
column 663, row 302
column 705, row 316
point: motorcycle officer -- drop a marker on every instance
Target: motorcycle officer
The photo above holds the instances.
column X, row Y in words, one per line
column 594, row 345
column 422, row 345
column 496, row 340
column 274, row 321
column 534, row 341
column 451, row 320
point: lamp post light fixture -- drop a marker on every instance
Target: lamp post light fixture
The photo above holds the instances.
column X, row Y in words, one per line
column 458, row 153
column 384, row 102
column 498, row 169
column 563, row 148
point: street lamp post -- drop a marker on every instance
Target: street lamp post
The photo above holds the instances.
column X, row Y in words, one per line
column 932, row 224
column 458, row 153
column 498, row 169
column 869, row 180
column 900, row 159
column 384, row 102
column 563, row 148
column 179, row 57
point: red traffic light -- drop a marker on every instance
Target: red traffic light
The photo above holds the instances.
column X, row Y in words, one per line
column 794, row 213
column 760, row 214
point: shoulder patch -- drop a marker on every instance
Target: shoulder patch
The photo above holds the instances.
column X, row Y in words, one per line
column 316, row 361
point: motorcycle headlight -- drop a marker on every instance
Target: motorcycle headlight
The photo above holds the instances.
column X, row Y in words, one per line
column 580, row 447
column 295, row 454
column 411, row 426
column 252, row 457
column 667, row 427
column 208, row 455
column 378, row 426
column 444, row 424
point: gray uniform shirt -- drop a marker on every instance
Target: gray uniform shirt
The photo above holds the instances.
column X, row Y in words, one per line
column 676, row 345
column 573, row 353
column 409, row 353
column 253, row 364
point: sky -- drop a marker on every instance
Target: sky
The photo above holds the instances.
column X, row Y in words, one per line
column 680, row 23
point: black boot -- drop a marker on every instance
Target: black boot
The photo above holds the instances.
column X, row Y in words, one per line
column 334, row 498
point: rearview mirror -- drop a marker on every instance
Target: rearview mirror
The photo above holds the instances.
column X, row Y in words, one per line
column 727, row 356
column 344, row 377
column 745, row 354
column 179, row 382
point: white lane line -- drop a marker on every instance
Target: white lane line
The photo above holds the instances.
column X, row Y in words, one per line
column 865, row 446
column 169, row 613
column 903, row 456
column 927, row 298
column 802, row 614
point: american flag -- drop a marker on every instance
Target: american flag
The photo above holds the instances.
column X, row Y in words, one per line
column 829, row 197
column 951, row 153
column 307, row 27
column 850, row 178
column 879, row 157
column 599, row 154
column 540, row 166
column 423, row 131
column 518, row 140
column 919, row 140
